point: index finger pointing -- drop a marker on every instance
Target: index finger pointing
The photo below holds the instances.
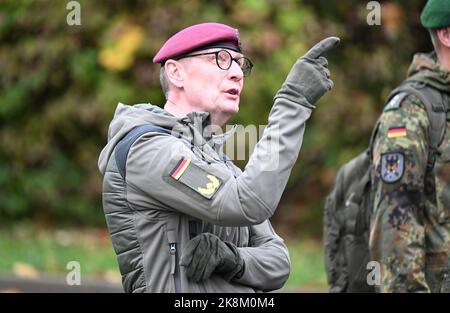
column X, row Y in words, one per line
column 322, row 47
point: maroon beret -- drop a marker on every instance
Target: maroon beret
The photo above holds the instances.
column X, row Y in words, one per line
column 197, row 37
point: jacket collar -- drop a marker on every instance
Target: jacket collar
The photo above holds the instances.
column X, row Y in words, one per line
column 197, row 128
column 426, row 68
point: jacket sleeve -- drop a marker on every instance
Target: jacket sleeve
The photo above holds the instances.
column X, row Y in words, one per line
column 267, row 263
column 248, row 199
column 397, row 238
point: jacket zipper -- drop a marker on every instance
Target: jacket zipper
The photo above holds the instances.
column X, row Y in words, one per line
column 175, row 268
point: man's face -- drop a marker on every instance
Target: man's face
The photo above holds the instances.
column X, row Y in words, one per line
column 441, row 42
column 446, row 44
column 209, row 88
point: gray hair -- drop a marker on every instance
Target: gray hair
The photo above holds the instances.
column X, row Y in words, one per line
column 164, row 81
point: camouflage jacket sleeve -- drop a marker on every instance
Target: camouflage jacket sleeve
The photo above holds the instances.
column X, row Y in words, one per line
column 397, row 238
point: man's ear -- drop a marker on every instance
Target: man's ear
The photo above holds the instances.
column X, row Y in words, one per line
column 174, row 72
column 444, row 36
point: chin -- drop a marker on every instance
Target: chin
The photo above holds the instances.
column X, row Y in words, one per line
column 230, row 112
column 234, row 110
column 224, row 115
column 231, row 108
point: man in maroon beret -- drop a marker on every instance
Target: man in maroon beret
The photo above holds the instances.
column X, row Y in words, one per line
column 182, row 216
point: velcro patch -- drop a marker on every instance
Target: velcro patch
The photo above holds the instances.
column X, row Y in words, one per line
column 196, row 178
column 395, row 132
column 395, row 102
column 392, row 166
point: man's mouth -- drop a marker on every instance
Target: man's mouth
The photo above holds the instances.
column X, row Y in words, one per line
column 233, row 91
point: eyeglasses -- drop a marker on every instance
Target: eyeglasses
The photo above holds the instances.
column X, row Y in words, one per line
column 224, row 60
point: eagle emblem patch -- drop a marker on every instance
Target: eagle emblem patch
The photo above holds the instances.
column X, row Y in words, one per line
column 392, row 167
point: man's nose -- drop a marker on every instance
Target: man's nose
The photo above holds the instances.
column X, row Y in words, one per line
column 235, row 71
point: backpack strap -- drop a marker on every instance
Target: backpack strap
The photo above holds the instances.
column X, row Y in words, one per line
column 121, row 154
column 436, row 105
column 124, row 145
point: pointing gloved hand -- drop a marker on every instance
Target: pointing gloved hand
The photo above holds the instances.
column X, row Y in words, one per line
column 309, row 77
column 206, row 254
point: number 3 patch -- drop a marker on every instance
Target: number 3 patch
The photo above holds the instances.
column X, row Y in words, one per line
column 392, row 167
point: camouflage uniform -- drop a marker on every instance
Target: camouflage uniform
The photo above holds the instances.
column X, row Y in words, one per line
column 410, row 226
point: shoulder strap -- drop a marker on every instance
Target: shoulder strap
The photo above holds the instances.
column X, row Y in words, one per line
column 124, row 145
column 433, row 101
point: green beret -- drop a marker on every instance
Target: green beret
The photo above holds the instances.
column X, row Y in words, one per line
column 436, row 14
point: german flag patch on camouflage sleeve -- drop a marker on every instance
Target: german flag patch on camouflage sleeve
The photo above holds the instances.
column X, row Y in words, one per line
column 196, row 178
column 395, row 132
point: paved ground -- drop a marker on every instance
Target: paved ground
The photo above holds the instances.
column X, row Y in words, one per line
column 10, row 283
column 47, row 284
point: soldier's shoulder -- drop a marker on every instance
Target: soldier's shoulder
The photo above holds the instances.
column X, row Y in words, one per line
column 404, row 113
column 405, row 101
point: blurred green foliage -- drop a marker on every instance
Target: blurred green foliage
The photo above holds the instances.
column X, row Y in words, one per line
column 30, row 251
column 60, row 84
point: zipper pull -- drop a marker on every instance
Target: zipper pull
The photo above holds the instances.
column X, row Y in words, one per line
column 172, row 248
column 173, row 257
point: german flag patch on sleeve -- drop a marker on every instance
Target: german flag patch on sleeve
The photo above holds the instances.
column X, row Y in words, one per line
column 196, row 178
column 179, row 169
column 395, row 132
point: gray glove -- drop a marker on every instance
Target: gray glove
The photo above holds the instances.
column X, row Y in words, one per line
column 206, row 254
column 309, row 78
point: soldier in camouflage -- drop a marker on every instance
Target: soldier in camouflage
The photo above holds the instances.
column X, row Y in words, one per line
column 410, row 225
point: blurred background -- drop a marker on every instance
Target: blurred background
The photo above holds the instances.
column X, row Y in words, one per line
column 60, row 84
